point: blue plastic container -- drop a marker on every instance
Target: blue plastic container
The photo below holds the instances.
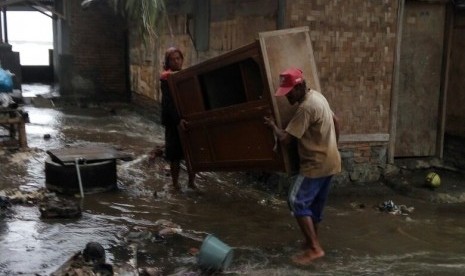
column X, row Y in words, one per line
column 215, row 254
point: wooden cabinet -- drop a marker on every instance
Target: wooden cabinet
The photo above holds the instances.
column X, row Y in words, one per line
column 224, row 100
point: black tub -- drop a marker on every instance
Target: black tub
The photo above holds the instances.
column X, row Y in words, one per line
column 97, row 176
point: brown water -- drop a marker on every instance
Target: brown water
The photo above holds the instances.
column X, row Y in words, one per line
column 257, row 224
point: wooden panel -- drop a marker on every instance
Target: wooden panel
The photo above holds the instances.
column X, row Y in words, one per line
column 281, row 50
column 242, row 145
column 231, row 139
column 420, row 79
column 189, row 96
column 284, row 49
column 200, row 153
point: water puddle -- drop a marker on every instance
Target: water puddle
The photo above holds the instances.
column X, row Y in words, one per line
column 358, row 241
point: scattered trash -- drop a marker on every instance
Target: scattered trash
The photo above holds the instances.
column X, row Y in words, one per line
column 390, row 207
column 169, row 231
column 16, row 196
column 270, row 201
column 358, row 205
column 166, row 223
column 6, row 80
column 94, row 252
column 59, row 208
column 150, row 271
column 91, row 261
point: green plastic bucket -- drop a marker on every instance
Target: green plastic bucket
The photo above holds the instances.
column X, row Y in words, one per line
column 214, row 254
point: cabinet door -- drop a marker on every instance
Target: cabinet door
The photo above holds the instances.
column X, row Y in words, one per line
column 224, row 100
column 281, row 50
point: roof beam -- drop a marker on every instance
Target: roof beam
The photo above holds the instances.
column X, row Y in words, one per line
column 37, row 3
column 34, row 4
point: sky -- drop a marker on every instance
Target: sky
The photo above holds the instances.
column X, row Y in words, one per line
column 31, row 34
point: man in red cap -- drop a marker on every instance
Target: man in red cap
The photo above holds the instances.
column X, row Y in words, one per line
column 316, row 129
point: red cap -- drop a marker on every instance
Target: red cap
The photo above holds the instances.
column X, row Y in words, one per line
column 288, row 79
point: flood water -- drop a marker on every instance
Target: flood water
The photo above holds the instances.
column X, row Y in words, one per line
column 357, row 237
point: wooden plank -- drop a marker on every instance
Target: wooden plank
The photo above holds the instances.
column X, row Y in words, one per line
column 10, row 121
column 22, row 134
column 14, row 123
column 87, row 153
column 395, row 84
column 445, row 80
column 281, row 50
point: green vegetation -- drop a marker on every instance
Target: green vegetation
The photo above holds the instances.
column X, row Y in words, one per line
column 144, row 15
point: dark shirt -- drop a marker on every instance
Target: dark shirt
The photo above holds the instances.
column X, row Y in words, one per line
column 169, row 114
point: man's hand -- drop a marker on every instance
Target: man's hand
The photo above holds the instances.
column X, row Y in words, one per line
column 269, row 121
column 281, row 134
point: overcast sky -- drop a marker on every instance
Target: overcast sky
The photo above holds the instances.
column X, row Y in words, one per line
column 30, row 34
column 29, row 26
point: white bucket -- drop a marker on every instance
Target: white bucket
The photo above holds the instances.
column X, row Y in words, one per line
column 215, row 254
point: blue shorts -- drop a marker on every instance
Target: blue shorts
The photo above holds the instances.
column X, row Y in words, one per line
column 307, row 196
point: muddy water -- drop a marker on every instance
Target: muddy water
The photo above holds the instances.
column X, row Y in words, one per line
column 358, row 239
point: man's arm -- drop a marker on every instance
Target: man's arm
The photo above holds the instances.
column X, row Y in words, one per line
column 283, row 136
column 336, row 126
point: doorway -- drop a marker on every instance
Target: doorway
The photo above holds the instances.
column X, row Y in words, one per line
column 419, row 116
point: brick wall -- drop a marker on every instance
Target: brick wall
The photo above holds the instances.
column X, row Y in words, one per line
column 232, row 24
column 353, row 42
column 97, row 45
column 354, row 46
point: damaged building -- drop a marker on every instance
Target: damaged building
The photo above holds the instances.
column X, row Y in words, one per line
column 392, row 70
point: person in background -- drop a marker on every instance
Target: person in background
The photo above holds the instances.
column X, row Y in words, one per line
column 316, row 129
column 170, row 119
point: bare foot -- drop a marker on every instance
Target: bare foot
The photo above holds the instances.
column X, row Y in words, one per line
column 307, row 256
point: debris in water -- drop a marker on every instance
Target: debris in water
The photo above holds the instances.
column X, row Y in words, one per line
column 390, row 207
column 59, row 208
